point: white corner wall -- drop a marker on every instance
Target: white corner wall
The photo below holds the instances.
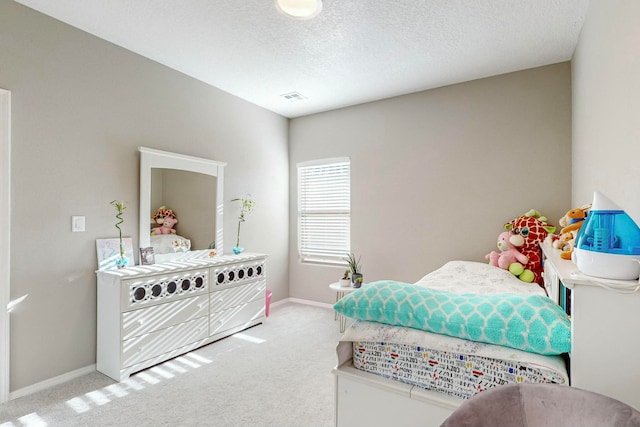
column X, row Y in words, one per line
column 606, row 109
column 5, row 239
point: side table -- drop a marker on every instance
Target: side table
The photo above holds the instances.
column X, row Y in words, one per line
column 341, row 291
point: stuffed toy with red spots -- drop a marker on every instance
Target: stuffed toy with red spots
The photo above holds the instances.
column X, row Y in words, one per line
column 533, row 228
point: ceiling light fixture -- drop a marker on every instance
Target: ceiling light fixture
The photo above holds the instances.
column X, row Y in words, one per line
column 299, row 9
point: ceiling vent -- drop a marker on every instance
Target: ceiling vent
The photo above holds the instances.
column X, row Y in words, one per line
column 294, row 97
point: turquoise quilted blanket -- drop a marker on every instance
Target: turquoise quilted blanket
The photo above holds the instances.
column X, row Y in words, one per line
column 531, row 323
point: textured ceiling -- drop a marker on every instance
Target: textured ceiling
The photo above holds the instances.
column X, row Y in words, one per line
column 355, row 51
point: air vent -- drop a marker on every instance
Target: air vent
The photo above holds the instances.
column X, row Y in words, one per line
column 294, row 97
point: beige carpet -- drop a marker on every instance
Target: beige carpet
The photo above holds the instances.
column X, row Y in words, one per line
column 274, row 374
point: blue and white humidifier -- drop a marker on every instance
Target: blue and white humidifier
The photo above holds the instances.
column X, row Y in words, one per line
column 608, row 243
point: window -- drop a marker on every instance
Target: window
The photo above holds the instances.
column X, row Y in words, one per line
column 324, row 210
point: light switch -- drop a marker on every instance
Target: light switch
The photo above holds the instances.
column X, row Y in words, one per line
column 77, row 223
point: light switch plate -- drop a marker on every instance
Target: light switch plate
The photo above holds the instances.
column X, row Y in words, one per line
column 77, row 223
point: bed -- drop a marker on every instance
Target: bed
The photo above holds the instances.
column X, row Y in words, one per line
column 404, row 370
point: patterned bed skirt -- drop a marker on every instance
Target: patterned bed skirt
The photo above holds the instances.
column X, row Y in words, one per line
column 455, row 374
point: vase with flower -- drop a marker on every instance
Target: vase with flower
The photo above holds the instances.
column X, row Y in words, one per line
column 246, row 207
column 122, row 260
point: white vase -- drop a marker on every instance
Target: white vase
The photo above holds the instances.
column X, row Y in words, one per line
column 345, row 283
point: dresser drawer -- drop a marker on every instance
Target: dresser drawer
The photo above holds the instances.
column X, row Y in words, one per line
column 236, row 316
column 145, row 347
column 149, row 319
column 231, row 297
column 227, row 275
column 158, row 289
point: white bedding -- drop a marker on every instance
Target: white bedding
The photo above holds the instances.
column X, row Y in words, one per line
column 166, row 243
column 477, row 278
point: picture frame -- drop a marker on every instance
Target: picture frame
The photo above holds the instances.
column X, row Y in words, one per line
column 147, row 257
column 108, row 251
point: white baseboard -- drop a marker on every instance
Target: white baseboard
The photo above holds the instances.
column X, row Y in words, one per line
column 51, row 382
column 303, row 301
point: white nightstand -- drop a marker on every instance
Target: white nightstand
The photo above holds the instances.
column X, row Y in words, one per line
column 340, row 292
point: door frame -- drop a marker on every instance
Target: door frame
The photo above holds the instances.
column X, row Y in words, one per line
column 5, row 240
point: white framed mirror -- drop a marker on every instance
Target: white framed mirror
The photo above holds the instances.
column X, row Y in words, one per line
column 193, row 188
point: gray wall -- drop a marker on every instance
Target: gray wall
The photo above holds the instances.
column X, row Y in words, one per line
column 81, row 107
column 436, row 174
column 606, row 112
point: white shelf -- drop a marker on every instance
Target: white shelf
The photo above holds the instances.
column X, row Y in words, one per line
column 605, row 316
column 571, row 276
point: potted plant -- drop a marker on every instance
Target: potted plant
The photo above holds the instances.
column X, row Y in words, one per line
column 358, row 282
column 356, row 272
column 346, row 280
column 247, row 207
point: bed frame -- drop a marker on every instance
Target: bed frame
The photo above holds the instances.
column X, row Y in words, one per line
column 363, row 398
column 368, row 399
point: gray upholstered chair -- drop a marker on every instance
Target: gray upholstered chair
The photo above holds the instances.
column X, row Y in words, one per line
column 542, row 405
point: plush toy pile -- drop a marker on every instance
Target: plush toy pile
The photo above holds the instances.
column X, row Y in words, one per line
column 570, row 224
column 519, row 246
column 165, row 219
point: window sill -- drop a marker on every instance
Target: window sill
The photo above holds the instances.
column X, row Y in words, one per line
column 323, row 262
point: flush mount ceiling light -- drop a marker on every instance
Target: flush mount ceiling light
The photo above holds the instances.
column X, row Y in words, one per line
column 299, row 9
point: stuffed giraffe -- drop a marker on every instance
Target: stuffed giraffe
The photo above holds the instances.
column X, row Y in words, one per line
column 533, row 228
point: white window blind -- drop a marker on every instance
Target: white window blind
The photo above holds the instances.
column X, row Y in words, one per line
column 324, row 210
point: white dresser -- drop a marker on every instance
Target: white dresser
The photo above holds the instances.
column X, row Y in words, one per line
column 605, row 320
column 149, row 314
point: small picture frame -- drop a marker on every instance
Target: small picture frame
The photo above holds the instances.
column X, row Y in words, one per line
column 147, row 256
column 109, row 252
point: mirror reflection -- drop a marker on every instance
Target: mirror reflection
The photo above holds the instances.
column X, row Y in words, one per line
column 182, row 210
column 181, row 204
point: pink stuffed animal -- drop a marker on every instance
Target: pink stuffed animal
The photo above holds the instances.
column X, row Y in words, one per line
column 509, row 254
column 166, row 219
